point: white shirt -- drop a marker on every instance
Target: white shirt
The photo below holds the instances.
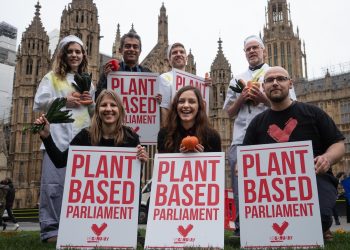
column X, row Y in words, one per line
column 47, row 92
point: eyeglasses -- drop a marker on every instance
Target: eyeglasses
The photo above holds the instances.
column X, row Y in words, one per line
column 279, row 79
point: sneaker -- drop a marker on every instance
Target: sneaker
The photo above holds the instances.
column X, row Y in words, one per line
column 4, row 225
column 16, row 227
column 328, row 236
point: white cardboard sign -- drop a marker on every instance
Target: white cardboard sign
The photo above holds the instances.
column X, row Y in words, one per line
column 101, row 197
column 187, row 201
column 182, row 78
column 278, row 198
column 137, row 91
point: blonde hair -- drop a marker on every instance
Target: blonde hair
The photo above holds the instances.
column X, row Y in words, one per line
column 96, row 121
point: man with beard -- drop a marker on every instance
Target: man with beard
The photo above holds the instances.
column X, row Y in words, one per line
column 309, row 123
column 246, row 105
column 130, row 48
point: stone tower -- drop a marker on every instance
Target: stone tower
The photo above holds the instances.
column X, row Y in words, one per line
column 283, row 46
column 81, row 19
column 33, row 59
column 220, row 72
column 116, row 45
column 157, row 58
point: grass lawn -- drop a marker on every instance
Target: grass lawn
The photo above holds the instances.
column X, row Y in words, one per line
column 30, row 240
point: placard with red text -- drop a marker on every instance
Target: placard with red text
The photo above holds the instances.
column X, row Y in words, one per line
column 187, row 201
column 137, row 91
column 182, row 78
column 101, row 197
column 278, row 198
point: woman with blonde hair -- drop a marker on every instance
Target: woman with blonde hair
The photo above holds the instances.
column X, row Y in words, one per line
column 107, row 129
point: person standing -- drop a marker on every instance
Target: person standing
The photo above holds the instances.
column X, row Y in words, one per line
column 70, row 59
column 3, row 191
column 304, row 122
column 130, row 49
column 240, row 106
column 10, row 198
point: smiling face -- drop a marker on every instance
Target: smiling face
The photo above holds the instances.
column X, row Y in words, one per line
column 254, row 53
column 108, row 110
column 131, row 51
column 178, row 57
column 187, row 108
column 74, row 56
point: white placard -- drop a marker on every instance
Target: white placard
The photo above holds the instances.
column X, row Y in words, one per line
column 278, row 198
column 101, row 198
column 182, row 78
column 137, row 91
column 187, row 201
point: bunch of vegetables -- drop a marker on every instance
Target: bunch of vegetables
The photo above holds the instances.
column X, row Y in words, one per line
column 54, row 115
column 83, row 84
column 240, row 85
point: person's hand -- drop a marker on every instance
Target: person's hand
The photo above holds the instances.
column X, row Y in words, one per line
column 257, row 96
column 46, row 131
column 142, row 154
column 198, row 148
column 245, row 95
column 85, row 98
column 208, row 82
column 72, row 101
column 159, row 98
column 322, row 164
column 107, row 68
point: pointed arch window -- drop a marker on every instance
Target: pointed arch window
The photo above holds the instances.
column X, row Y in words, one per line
column 77, row 18
column 21, row 172
column 289, row 58
column 89, row 44
column 215, row 96
column 38, row 65
column 24, row 142
column 82, row 18
column 25, row 110
column 283, row 61
column 222, row 94
column 269, row 52
column 29, row 67
column 275, row 54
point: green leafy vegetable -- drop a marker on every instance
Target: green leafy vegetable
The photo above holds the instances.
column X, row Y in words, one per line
column 54, row 115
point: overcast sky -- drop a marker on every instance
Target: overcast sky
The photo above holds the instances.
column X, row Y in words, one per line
column 323, row 25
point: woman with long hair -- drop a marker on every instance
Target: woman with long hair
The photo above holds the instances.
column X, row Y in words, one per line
column 187, row 116
column 70, row 59
column 107, row 129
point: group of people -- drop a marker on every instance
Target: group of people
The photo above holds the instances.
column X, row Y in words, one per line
column 182, row 113
column 7, row 197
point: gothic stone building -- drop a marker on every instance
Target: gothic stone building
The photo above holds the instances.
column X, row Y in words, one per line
column 80, row 18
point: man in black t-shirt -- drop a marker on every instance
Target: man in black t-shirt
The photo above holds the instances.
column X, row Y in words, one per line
column 288, row 121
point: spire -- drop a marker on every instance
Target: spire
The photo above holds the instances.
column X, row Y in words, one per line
column 132, row 28
column 163, row 26
column 220, row 44
column 37, row 7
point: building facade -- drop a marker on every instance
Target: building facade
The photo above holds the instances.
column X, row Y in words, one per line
column 32, row 63
column 80, row 18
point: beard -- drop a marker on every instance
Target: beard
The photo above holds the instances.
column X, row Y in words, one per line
column 278, row 98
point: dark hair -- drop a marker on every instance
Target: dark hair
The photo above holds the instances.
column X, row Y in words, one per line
column 173, row 122
column 130, row 34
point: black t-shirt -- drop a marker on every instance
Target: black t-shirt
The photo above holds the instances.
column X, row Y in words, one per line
column 299, row 122
column 131, row 139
